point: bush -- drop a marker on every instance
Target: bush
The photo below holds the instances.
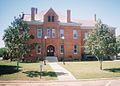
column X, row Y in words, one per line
column 3, row 51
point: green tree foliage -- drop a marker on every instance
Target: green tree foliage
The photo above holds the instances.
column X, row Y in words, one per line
column 101, row 42
column 118, row 44
column 16, row 37
column 2, row 51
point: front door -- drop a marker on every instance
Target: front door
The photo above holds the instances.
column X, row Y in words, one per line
column 50, row 50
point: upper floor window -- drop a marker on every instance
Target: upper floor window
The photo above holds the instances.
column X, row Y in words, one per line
column 61, row 33
column 39, row 49
column 53, row 18
column 75, row 49
column 49, row 19
column 39, row 33
column 86, row 35
column 75, row 35
column 48, row 32
column 53, row 33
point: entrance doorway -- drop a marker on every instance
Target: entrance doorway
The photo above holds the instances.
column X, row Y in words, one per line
column 50, row 50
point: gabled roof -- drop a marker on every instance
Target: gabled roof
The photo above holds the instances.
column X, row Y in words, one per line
column 62, row 19
column 85, row 22
column 69, row 24
column 39, row 19
column 51, row 11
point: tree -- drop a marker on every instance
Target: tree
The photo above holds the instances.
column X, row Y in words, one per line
column 2, row 50
column 3, row 53
column 101, row 42
column 118, row 44
column 16, row 37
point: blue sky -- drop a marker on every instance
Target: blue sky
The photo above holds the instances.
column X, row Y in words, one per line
column 107, row 10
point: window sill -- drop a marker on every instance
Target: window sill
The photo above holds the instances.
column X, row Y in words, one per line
column 75, row 53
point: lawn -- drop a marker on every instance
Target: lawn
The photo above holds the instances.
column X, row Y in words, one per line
column 27, row 71
column 90, row 70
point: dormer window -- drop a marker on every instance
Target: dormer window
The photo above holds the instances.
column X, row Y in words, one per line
column 50, row 16
column 49, row 19
column 53, row 18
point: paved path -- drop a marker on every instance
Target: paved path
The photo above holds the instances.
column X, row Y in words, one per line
column 99, row 82
column 62, row 73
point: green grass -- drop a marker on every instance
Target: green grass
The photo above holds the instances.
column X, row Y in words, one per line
column 27, row 71
column 88, row 70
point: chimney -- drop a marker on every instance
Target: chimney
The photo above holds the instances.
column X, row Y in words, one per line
column 68, row 16
column 94, row 17
column 33, row 12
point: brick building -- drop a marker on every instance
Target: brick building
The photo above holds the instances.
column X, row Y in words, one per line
column 56, row 36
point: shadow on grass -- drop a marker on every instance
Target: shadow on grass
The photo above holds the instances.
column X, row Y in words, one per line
column 116, row 70
column 43, row 73
column 8, row 69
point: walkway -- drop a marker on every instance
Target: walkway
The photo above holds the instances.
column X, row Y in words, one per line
column 61, row 72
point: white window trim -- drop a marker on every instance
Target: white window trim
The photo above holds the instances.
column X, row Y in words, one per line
column 54, row 32
column 38, row 32
column 37, row 49
column 60, row 49
column 60, row 33
column 77, row 50
column 47, row 33
column 86, row 35
column 76, row 34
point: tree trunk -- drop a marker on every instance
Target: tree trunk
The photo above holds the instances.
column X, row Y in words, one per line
column 100, row 65
column 17, row 64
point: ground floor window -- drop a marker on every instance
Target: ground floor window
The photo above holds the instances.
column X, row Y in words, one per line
column 39, row 49
column 61, row 49
column 75, row 49
column 86, row 50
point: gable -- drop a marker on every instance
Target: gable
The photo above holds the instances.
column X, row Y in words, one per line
column 50, row 12
column 50, row 16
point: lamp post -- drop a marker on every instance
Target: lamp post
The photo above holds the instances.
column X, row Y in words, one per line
column 45, row 37
column 63, row 49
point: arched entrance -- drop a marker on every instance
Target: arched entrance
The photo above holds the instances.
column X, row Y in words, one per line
column 50, row 50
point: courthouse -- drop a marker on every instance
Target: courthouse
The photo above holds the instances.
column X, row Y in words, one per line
column 58, row 36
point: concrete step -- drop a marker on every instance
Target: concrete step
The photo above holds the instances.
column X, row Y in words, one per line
column 51, row 59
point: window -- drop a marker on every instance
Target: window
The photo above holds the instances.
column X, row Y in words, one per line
column 40, row 33
column 39, row 49
column 53, row 18
column 53, row 33
column 85, row 35
column 61, row 49
column 61, row 33
column 86, row 50
column 75, row 49
column 49, row 19
column 48, row 32
column 75, row 35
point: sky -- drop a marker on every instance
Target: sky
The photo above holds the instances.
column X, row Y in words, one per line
column 106, row 10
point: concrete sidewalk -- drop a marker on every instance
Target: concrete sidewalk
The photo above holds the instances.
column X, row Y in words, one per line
column 62, row 73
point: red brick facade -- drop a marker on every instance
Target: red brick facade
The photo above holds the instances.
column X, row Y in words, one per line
column 52, row 46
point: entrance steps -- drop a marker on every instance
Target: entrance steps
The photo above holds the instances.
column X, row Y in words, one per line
column 51, row 59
